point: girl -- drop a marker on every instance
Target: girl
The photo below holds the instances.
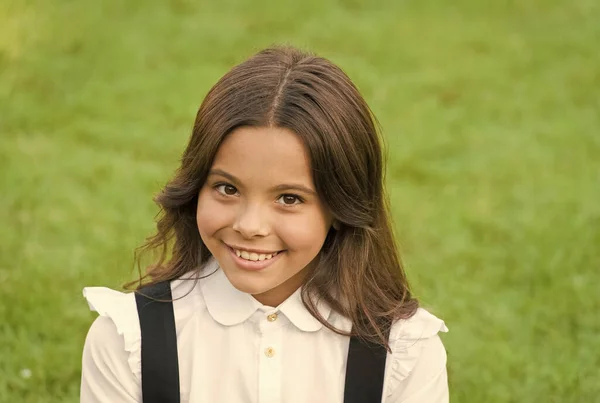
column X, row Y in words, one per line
column 278, row 278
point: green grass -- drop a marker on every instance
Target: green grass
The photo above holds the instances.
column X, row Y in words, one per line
column 491, row 110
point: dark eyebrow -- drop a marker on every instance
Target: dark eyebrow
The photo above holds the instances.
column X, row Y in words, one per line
column 291, row 186
column 220, row 172
column 280, row 188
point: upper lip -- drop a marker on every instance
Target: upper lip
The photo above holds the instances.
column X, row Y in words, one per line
column 261, row 251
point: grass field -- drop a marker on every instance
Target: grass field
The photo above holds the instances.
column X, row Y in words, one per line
column 492, row 115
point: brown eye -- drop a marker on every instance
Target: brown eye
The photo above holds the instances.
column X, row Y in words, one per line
column 225, row 189
column 290, row 200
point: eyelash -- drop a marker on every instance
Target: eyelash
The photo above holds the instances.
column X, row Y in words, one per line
column 298, row 198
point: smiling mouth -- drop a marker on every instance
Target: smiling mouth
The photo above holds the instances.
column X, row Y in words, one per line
column 253, row 256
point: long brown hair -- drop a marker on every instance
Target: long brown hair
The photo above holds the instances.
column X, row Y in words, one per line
column 359, row 273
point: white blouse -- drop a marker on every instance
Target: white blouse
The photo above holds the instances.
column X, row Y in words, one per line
column 233, row 349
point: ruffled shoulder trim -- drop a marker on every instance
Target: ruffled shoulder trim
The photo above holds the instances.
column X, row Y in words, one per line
column 122, row 309
column 405, row 342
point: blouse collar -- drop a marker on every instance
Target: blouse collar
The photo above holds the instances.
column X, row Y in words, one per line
column 229, row 306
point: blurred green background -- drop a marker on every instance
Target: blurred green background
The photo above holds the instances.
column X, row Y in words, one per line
column 492, row 115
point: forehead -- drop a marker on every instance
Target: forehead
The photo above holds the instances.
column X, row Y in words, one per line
column 270, row 155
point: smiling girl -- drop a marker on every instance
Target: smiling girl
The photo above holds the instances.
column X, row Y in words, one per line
column 279, row 279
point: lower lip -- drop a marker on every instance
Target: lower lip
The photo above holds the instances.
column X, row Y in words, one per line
column 253, row 265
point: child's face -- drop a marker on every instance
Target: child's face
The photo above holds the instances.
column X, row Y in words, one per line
column 259, row 195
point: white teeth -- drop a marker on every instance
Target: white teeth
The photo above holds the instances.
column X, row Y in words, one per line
column 253, row 256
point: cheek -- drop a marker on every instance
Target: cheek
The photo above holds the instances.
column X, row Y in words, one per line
column 307, row 233
column 210, row 215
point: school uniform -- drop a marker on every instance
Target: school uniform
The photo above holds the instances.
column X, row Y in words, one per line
column 230, row 348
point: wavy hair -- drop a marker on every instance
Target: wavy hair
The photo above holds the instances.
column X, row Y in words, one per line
column 359, row 272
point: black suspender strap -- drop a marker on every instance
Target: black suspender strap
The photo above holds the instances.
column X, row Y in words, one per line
column 364, row 372
column 160, row 368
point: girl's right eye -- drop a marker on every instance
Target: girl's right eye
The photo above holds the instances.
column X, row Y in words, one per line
column 226, row 189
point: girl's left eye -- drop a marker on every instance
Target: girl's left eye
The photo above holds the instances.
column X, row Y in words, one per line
column 290, row 200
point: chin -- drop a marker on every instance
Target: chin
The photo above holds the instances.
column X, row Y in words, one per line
column 248, row 287
column 247, row 282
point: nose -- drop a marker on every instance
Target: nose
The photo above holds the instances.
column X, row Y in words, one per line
column 251, row 221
